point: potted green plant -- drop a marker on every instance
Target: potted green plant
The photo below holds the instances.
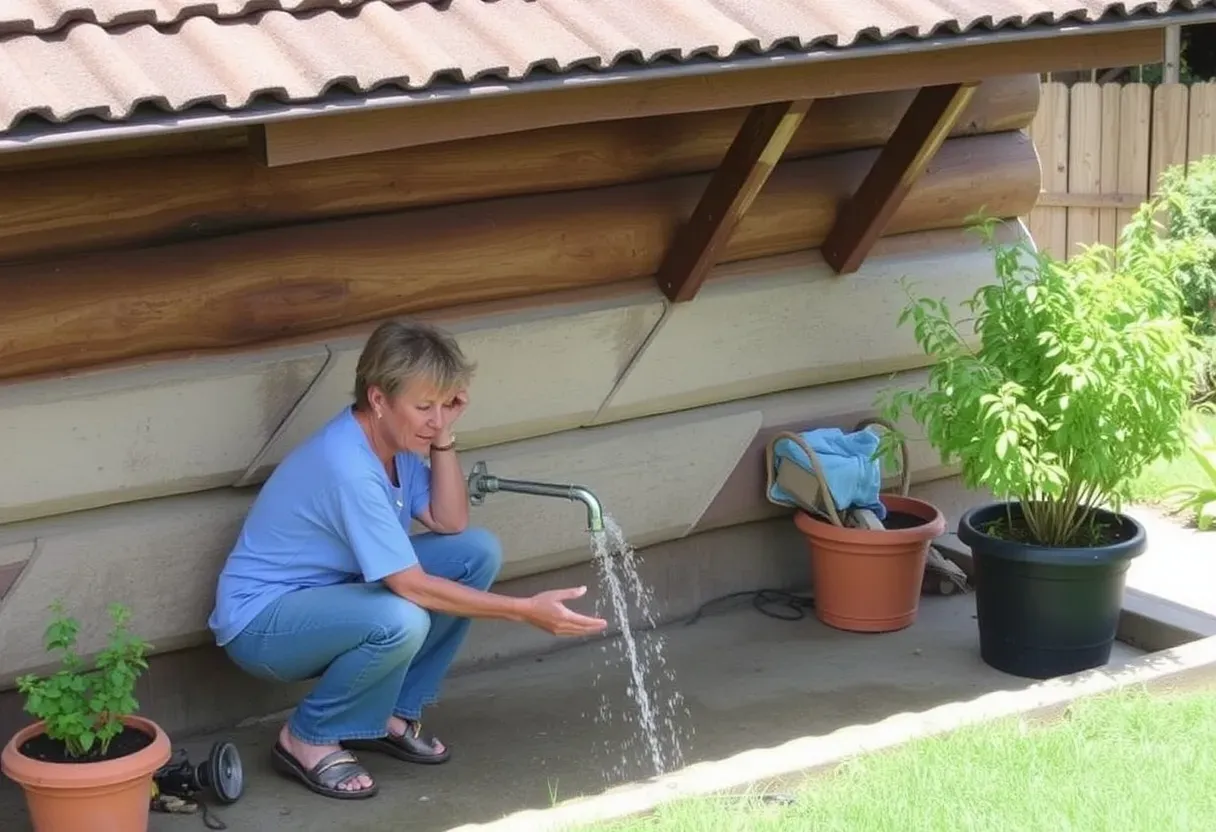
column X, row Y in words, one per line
column 88, row 758
column 1065, row 380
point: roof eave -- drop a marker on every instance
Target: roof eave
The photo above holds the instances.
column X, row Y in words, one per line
column 90, row 130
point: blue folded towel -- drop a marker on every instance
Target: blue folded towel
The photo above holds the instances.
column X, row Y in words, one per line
column 853, row 475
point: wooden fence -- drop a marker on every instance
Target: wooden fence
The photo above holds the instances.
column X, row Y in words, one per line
column 1102, row 148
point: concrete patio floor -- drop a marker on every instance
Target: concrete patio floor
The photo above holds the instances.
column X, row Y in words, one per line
column 530, row 732
column 1179, row 565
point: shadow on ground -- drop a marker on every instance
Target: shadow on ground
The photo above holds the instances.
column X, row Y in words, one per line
column 528, row 732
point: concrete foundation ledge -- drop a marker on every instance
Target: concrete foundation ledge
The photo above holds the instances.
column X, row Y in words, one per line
column 1189, row 666
column 1151, row 623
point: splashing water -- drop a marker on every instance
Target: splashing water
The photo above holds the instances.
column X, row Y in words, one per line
column 623, row 589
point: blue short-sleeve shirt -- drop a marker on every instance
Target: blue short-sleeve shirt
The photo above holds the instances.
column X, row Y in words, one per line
column 327, row 515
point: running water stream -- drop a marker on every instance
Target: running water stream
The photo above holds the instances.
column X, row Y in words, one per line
column 657, row 706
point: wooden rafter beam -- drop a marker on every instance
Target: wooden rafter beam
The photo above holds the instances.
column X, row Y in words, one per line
column 917, row 137
column 749, row 160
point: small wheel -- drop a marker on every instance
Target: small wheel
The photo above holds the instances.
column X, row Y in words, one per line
column 225, row 772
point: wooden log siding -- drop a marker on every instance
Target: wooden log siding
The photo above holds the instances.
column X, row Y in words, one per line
column 93, row 309
column 116, row 150
column 167, row 198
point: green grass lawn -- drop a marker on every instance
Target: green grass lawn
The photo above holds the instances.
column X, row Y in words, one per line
column 1122, row 763
column 1161, row 475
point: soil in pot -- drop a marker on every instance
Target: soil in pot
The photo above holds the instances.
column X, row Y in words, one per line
column 867, row 580
column 1047, row 611
column 109, row 794
column 47, row 750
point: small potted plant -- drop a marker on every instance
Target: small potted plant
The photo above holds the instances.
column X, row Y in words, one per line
column 1072, row 377
column 88, row 757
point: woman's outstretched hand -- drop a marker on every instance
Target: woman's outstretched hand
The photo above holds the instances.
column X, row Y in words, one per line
column 547, row 611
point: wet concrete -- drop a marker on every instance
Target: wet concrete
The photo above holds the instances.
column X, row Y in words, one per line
column 529, row 732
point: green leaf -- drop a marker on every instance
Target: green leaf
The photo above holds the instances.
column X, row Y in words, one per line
column 1207, row 516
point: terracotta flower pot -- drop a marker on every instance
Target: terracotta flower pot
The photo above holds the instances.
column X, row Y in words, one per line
column 869, row 581
column 108, row 796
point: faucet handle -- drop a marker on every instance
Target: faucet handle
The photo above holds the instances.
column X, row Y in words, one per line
column 477, row 492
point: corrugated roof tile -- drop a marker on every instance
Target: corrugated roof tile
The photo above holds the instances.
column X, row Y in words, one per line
column 44, row 16
column 64, row 59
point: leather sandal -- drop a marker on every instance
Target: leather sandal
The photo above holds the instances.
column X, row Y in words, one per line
column 330, row 772
column 412, row 746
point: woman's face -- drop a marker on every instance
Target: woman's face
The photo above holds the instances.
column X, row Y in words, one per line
column 411, row 420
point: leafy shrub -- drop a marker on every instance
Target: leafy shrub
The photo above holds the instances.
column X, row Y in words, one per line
column 1199, row 497
column 83, row 707
column 1205, row 373
column 1189, row 194
column 1080, row 378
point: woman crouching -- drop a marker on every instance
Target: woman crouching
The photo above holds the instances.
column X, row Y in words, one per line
column 325, row 582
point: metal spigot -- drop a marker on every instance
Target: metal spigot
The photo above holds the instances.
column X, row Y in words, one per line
column 482, row 483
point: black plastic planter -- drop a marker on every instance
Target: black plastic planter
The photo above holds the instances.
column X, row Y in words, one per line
column 1045, row 611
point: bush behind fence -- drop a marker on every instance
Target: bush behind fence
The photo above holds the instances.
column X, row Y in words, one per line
column 1102, row 148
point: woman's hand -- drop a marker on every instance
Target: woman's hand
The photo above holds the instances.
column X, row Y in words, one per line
column 453, row 409
column 449, row 509
column 546, row 611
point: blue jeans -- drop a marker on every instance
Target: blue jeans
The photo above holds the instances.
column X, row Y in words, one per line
column 373, row 653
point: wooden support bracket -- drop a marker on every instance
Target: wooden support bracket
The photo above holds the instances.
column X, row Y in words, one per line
column 921, row 131
column 745, row 168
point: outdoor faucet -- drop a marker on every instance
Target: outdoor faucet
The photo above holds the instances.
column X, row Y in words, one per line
column 482, row 483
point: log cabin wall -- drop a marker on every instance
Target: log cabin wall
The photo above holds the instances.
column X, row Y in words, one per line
column 177, row 315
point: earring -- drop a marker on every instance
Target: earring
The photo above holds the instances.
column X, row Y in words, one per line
column 378, row 414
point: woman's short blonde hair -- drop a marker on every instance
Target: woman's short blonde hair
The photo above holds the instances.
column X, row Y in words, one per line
column 398, row 354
